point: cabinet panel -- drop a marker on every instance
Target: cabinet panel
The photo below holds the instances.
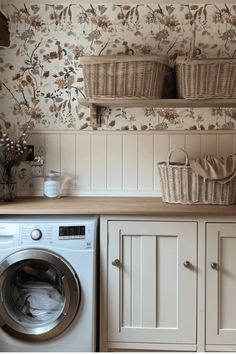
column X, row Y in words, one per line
column 136, row 282
column 221, row 284
column 148, row 281
column 151, row 294
column 167, row 262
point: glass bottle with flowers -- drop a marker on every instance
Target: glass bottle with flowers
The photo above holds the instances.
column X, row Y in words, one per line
column 11, row 154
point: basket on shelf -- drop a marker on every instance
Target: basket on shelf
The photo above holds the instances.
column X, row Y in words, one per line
column 205, row 78
column 124, row 76
column 180, row 184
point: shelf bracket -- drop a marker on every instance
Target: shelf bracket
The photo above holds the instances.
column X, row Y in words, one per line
column 95, row 116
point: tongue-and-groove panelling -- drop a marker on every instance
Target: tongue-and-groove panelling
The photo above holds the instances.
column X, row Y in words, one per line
column 115, row 163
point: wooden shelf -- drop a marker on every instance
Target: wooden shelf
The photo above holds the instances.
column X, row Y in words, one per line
column 96, row 104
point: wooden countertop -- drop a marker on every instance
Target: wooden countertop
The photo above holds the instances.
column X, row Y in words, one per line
column 146, row 206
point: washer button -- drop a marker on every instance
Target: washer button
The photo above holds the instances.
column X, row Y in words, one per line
column 36, row 234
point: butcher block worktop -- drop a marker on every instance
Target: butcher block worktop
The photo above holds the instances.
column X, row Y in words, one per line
column 146, row 206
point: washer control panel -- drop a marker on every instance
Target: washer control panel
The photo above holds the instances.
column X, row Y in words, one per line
column 68, row 233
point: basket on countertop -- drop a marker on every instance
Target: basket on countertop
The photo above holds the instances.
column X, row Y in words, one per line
column 124, row 76
column 205, row 78
column 180, row 184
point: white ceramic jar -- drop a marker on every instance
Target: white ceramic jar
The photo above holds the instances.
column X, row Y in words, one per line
column 52, row 185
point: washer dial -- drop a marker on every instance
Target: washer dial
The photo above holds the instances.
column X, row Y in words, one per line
column 36, row 234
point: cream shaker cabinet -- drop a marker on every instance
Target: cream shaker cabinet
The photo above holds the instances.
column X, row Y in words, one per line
column 151, row 284
column 221, row 286
column 168, row 284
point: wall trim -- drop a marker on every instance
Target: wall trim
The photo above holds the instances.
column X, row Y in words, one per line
column 132, row 132
column 125, row 2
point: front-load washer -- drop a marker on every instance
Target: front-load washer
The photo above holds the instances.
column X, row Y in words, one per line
column 48, row 284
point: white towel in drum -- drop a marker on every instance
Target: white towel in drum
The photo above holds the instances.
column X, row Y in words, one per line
column 39, row 300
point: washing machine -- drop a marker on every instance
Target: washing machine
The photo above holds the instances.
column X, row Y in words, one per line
column 48, row 284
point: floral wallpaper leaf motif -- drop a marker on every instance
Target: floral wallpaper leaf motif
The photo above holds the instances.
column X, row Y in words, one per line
column 40, row 75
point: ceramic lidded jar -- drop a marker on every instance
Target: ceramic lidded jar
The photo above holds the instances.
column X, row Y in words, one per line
column 52, row 185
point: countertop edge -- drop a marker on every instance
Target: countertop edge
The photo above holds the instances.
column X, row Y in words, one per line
column 132, row 206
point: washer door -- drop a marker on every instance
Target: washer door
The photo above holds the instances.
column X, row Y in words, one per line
column 39, row 294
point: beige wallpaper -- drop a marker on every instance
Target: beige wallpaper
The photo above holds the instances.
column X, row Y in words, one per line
column 41, row 79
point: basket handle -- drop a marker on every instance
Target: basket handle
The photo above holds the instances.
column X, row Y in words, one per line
column 180, row 150
column 190, row 55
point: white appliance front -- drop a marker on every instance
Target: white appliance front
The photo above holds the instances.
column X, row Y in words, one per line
column 48, row 284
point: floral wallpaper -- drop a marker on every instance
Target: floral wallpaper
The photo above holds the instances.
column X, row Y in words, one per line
column 40, row 75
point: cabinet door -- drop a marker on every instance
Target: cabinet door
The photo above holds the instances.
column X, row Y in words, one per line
column 151, row 288
column 221, row 284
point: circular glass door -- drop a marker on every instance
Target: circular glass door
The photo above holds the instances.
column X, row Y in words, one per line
column 40, row 294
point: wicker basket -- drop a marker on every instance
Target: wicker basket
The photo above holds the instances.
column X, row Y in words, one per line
column 213, row 192
column 123, row 76
column 208, row 78
column 180, row 184
column 205, row 78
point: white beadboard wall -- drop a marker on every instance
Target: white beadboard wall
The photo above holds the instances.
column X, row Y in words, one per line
column 118, row 163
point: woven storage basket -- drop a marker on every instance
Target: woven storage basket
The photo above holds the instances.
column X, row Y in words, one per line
column 123, row 76
column 205, row 78
column 213, row 192
column 180, row 184
column 208, row 78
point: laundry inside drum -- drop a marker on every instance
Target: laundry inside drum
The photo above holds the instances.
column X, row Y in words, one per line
column 37, row 293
